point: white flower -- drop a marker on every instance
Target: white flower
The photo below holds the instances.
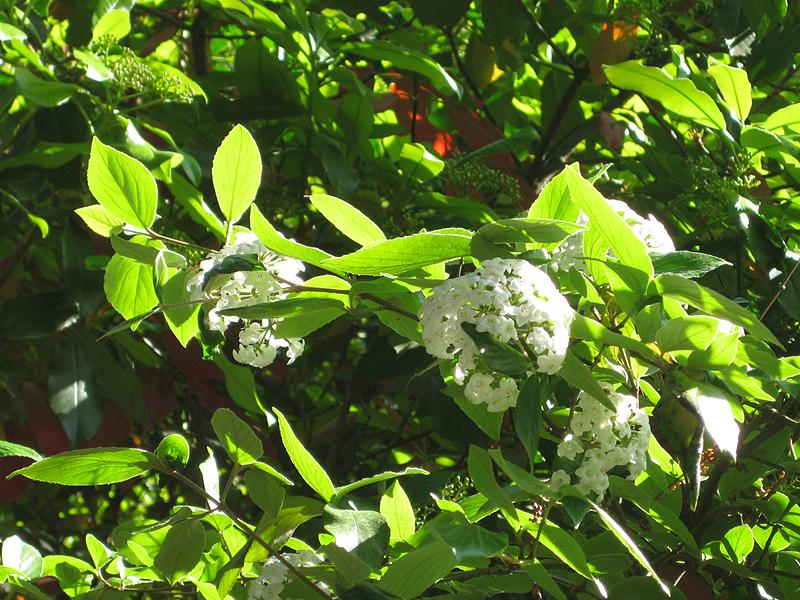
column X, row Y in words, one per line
column 258, row 345
column 513, row 301
column 498, row 393
column 270, row 582
column 569, row 253
column 601, row 439
column 560, row 478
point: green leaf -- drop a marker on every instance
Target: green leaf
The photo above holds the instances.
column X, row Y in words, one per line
column 129, row 287
column 237, row 437
column 555, row 201
column 469, row 541
column 622, row 488
column 9, row 32
column 677, row 95
column 115, row 23
column 42, row 92
column 713, row 303
column 182, row 320
column 265, row 491
column 409, row 576
column 496, row 354
column 310, row 470
column 399, row 514
column 12, row 449
column 416, row 161
column 714, row 408
column 191, row 199
column 47, row 155
column 538, row 230
column 122, row 185
column 488, row 422
column 100, row 220
column 735, row 88
column 528, row 413
column 21, row 556
column 174, row 449
column 236, row 173
column 348, row 219
column 520, row 476
column 480, row 467
column 604, row 220
column 408, row 59
column 578, row 375
column 133, row 249
column 687, row 333
column 402, row 254
column 365, row 533
column 628, row 542
column 181, row 550
column 289, row 307
column 542, row 578
column 738, row 543
column 784, row 120
column 240, row 384
column 273, row 240
column 351, row 568
column 563, row 545
column 584, row 328
column 73, row 394
column 385, row 476
column 272, row 471
column 73, row 574
column 686, row 264
column 90, row 466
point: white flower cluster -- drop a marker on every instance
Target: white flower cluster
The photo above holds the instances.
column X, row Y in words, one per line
column 258, row 345
column 650, row 230
column 270, row 582
column 600, row 440
column 513, row 301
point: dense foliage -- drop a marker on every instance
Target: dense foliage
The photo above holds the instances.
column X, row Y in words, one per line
column 400, row 299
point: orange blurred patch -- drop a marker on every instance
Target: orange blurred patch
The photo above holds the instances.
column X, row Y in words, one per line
column 612, row 45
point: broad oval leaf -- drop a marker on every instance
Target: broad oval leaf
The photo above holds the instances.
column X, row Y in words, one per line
column 22, row 557
column 310, row 470
column 735, row 88
column 237, row 437
column 409, row 576
column 399, row 514
column 12, row 449
column 680, row 96
column 402, row 254
column 348, row 219
column 687, row 333
column 713, row 303
column 604, row 220
column 275, row 241
column 181, row 550
column 91, row 466
column 122, row 185
column 174, row 449
column 129, row 287
column 365, row 533
column 236, row 173
column 406, row 58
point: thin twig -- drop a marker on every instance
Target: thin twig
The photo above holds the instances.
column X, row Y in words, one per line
column 781, row 288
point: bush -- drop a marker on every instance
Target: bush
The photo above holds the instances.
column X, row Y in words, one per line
column 398, row 300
